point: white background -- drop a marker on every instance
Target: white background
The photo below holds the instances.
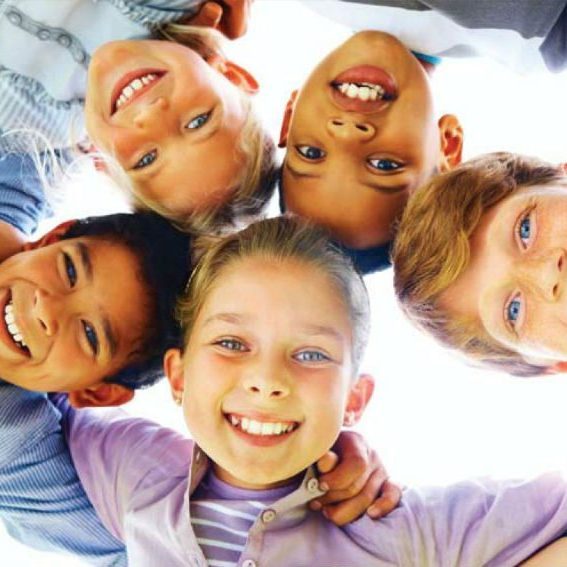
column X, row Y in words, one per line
column 433, row 419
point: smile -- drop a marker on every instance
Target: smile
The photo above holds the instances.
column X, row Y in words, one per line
column 261, row 428
column 12, row 328
column 133, row 85
column 362, row 91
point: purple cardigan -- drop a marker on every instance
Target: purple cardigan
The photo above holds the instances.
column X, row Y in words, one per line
column 139, row 477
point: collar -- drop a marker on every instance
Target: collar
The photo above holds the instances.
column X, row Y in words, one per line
column 290, row 509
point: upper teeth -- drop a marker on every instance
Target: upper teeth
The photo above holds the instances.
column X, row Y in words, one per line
column 261, row 427
column 13, row 329
column 363, row 91
column 133, row 86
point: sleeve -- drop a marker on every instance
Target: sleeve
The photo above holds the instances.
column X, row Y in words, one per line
column 124, row 463
column 42, row 502
column 474, row 523
column 22, row 201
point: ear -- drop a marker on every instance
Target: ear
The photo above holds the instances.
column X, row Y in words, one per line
column 359, row 396
column 173, row 369
column 286, row 121
column 54, row 235
column 451, row 142
column 101, row 395
column 236, row 74
column 563, row 168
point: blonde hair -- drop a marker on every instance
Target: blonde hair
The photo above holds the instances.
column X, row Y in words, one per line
column 431, row 248
column 255, row 186
column 280, row 239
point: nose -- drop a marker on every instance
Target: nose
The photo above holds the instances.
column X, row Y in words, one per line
column 46, row 310
column 350, row 130
column 545, row 273
column 151, row 113
column 267, row 380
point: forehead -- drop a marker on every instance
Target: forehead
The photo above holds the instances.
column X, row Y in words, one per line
column 266, row 287
column 192, row 177
column 358, row 216
column 117, row 290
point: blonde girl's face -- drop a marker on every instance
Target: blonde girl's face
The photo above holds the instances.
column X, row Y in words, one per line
column 267, row 371
column 170, row 119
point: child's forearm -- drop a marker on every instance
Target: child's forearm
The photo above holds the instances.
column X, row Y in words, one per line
column 554, row 555
column 11, row 240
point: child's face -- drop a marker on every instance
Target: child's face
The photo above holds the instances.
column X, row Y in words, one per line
column 351, row 163
column 515, row 285
column 63, row 303
column 270, row 352
column 177, row 135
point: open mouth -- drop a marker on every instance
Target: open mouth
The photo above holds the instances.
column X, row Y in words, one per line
column 12, row 328
column 261, row 428
column 132, row 85
column 363, row 89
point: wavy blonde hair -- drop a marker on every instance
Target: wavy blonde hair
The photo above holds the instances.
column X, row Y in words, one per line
column 432, row 249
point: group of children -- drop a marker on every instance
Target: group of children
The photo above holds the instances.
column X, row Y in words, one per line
column 275, row 318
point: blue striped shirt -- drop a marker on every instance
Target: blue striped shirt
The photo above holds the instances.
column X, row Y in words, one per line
column 42, row 502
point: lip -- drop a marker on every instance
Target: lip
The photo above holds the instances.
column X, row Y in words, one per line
column 128, row 78
column 260, row 440
column 5, row 336
column 364, row 74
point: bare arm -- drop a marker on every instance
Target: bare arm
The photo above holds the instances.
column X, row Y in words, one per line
column 554, row 555
column 11, row 240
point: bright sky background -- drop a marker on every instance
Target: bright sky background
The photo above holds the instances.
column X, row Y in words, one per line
column 433, row 419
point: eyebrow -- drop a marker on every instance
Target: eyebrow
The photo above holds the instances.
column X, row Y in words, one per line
column 86, row 263
column 232, row 318
column 386, row 189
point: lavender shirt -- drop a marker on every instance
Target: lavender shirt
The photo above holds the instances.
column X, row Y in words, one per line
column 140, row 476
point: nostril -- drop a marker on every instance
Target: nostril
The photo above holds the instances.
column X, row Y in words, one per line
column 560, row 263
column 44, row 326
column 362, row 127
column 337, row 123
column 555, row 290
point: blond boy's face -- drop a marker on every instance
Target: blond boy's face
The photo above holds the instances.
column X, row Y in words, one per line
column 171, row 120
column 267, row 371
column 353, row 158
column 515, row 285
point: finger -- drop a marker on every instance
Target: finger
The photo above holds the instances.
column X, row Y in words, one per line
column 235, row 18
column 352, row 469
column 389, row 498
column 209, row 16
column 370, row 484
column 327, row 462
column 351, row 509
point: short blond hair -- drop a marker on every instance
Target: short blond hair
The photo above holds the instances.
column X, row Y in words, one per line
column 280, row 239
column 255, row 186
column 432, row 249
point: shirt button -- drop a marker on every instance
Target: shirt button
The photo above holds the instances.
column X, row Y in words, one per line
column 313, row 485
column 268, row 516
column 249, row 563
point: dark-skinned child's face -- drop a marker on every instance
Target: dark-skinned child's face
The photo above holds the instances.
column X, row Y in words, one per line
column 362, row 135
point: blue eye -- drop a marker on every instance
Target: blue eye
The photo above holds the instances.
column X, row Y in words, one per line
column 231, row 344
column 146, row 160
column 311, row 356
column 198, row 121
column 384, row 164
column 70, row 269
column 91, row 336
column 311, row 152
column 513, row 311
column 525, row 229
